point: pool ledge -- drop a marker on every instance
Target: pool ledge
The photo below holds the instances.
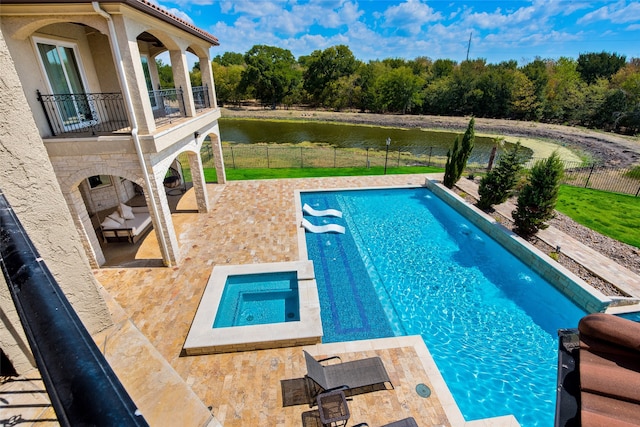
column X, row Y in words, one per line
column 585, row 296
column 204, row 339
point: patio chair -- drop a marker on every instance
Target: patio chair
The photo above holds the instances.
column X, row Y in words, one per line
column 407, row 422
column 354, row 377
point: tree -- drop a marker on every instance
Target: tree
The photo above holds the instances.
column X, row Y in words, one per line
column 537, row 200
column 593, row 66
column 443, row 67
column 457, row 157
column 467, row 147
column 271, row 71
column 195, row 75
column 227, row 80
column 524, row 103
column 399, row 90
column 229, row 58
column 497, row 185
column 564, row 95
column 327, row 67
column 451, row 175
column 165, row 74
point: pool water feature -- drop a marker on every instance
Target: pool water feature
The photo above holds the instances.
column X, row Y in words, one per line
column 489, row 321
column 257, row 299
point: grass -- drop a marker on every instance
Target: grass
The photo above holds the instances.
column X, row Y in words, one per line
column 611, row 214
column 263, row 173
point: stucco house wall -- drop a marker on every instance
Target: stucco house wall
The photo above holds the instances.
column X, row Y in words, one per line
column 28, row 181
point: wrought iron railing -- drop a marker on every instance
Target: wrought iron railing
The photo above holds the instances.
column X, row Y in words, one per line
column 201, row 97
column 88, row 113
column 82, row 387
column 167, row 104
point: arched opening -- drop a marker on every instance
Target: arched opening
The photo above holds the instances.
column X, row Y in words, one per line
column 121, row 221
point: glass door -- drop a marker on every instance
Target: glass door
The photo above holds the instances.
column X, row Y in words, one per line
column 63, row 73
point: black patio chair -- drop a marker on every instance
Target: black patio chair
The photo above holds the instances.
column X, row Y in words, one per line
column 353, row 377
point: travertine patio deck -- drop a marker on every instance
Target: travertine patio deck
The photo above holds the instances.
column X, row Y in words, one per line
column 255, row 222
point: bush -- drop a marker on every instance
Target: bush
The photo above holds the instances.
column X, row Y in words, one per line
column 537, row 200
column 497, row 186
column 457, row 157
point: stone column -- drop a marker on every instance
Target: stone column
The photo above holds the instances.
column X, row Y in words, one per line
column 88, row 235
column 208, row 80
column 216, row 148
column 199, row 184
column 134, row 75
column 181, row 79
column 162, row 223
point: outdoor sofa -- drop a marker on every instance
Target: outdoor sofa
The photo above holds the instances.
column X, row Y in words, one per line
column 126, row 224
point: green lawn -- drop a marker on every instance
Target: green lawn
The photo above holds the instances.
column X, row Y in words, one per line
column 612, row 214
column 246, row 174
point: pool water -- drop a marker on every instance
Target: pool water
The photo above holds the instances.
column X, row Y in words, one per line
column 257, row 299
column 409, row 264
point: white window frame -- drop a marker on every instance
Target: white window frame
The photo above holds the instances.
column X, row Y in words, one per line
column 76, row 52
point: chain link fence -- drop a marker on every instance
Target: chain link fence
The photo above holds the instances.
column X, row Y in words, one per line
column 257, row 156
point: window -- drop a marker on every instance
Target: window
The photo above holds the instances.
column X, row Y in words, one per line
column 98, row 181
column 61, row 66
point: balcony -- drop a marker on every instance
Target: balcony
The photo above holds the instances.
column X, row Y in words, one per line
column 95, row 114
column 85, row 114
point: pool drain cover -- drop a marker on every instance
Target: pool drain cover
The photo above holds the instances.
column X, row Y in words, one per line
column 423, row 390
column 290, row 315
column 249, row 318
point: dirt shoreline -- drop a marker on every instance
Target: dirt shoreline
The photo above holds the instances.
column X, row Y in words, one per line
column 609, row 149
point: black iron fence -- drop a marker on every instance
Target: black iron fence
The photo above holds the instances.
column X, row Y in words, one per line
column 617, row 180
column 201, row 97
column 89, row 113
column 256, row 156
column 167, row 104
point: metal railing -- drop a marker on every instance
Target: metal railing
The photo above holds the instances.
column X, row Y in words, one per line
column 201, row 97
column 168, row 105
column 85, row 113
column 82, row 387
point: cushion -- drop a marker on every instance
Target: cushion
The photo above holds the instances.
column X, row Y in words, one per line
column 140, row 209
column 116, row 217
column 614, row 329
column 110, row 223
column 126, row 212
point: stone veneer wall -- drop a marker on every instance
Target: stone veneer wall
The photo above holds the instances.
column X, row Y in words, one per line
column 28, row 181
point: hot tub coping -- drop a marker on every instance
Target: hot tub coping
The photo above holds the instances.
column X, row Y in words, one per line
column 204, row 339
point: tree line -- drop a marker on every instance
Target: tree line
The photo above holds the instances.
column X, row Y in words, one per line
column 596, row 90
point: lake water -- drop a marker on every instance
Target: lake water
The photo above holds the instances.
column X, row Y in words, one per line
column 417, row 141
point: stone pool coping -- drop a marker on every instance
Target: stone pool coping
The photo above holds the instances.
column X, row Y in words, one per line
column 204, row 339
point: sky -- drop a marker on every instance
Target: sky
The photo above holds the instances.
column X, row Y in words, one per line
column 377, row 29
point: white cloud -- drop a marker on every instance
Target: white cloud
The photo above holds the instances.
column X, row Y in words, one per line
column 180, row 14
column 409, row 17
column 617, row 13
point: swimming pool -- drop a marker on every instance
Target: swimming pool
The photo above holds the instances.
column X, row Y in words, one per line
column 409, row 264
